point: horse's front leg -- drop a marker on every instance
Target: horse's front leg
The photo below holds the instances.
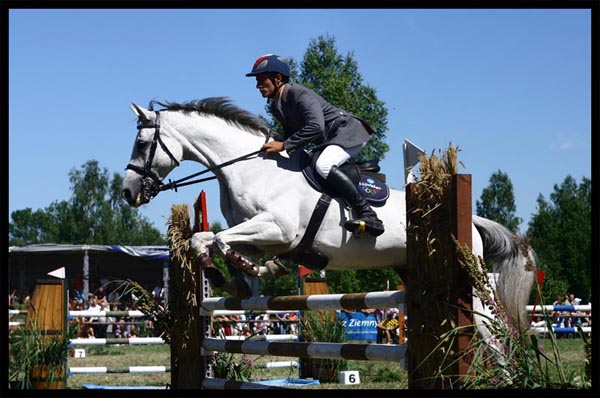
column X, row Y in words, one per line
column 260, row 230
column 200, row 245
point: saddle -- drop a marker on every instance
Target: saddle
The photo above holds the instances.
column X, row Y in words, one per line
column 366, row 176
column 371, row 184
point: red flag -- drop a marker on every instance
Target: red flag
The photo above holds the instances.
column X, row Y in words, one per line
column 302, row 270
column 540, row 280
column 540, row 277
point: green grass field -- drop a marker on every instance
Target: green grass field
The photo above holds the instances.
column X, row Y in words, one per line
column 373, row 375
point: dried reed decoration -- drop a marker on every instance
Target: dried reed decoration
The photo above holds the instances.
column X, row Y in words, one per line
column 431, row 323
column 184, row 302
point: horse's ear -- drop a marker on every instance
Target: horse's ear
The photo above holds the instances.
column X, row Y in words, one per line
column 141, row 112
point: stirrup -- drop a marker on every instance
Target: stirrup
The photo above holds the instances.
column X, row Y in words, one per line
column 358, row 226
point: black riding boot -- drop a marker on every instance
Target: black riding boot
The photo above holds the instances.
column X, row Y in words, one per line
column 366, row 218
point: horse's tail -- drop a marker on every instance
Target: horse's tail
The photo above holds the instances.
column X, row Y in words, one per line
column 514, row 261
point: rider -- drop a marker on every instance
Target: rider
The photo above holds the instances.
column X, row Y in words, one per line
column 307, row 118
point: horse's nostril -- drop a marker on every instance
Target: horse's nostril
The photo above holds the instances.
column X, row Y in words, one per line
column 126, row 194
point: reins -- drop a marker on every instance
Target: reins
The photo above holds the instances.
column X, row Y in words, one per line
column 178, row 183
column 156, row 186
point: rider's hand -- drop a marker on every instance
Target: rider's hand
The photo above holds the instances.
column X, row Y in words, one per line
column 272, row 147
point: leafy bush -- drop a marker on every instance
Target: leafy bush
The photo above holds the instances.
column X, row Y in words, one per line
column 226, row 366
column 324, row 326
column 32, row 350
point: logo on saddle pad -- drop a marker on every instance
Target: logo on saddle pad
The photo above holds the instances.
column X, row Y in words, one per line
column 369, row 186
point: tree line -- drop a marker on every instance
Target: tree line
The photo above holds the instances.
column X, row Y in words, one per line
column 560, row 231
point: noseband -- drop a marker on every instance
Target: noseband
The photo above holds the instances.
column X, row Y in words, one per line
column 151, row 182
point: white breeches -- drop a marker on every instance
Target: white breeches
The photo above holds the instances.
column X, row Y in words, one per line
column 334, row 155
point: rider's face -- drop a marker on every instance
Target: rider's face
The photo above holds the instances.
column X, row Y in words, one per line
column 265, row 85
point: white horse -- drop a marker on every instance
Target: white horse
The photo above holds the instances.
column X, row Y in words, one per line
column 267, row 201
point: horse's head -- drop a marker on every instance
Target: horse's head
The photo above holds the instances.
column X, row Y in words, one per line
column 155, row 153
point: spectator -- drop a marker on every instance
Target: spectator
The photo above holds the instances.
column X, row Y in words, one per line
column 293, row 318
column 224, row 326
column 587, row 319
column 557, row 317
column 132, row 332
column 577, row 317
column 280, row 325
column 379, row 317
column 573, row 300
column 159, row 290
column 235, row 319
column 100, row 294
column 559, row 300
column 87, row 332
column 241, row 326
column 261, row 326
column 389, row 326
column 72, row 303
column 102, row 327
column 122, row 328
column 94, row 307
column 79, row 295
column 538, row 322
column 117, row 332
column 111, row 319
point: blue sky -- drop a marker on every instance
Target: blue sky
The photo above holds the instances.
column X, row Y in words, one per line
column 511, row 88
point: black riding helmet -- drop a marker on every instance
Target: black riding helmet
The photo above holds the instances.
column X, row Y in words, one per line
column 272, row 64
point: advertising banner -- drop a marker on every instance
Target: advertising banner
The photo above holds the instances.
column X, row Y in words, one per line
column 359, row 325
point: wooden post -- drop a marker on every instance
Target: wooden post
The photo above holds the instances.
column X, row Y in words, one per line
column 186, row 332
column 411, row 261
column 462, row 291
column 421, row 371
column 48, row 311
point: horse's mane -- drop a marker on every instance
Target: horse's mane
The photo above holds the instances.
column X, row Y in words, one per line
column 221, row 107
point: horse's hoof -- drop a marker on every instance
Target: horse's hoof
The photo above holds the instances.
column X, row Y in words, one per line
column 214, row 276
column 211, row 272
column 245, row 265
column 276, row 268
column 238, row 288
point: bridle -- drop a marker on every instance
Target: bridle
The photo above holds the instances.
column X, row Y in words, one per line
column 152, row 184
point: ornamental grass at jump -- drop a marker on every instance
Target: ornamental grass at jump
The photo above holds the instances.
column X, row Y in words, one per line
column 433, row 276
column 184, row 303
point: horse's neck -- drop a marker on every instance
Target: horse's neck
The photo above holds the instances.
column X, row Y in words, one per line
column 211, row 142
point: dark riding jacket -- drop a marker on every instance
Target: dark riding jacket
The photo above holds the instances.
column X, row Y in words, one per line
column 307, row 118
